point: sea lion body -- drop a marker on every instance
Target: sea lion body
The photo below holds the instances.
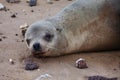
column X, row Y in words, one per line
column 91, row 25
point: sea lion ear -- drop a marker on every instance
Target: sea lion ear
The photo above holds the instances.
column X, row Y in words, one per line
column 58, row 29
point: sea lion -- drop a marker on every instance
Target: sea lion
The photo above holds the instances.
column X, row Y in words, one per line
column 83, row 26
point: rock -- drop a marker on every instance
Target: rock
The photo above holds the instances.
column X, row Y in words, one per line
column 16, row 34
column 19, row 40
column 31, row 66
column 38, row 69
column 6, row 9
column 13, row 1
column 22, row 41
column 27, row 1
column 0, row 39
column 32, row 3
column 24, row 10
column 11, row 61
column 4, row 37
column 43, row 76
column 100, row 78
column 81, row 63
column 32, row 10
column 2, row 7
column 49, row 1
column 13, row 16
column 24, row 28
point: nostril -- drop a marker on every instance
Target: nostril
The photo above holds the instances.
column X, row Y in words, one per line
column 36, row 47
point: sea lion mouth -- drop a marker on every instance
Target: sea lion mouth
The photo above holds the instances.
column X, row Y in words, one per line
column 38, row 53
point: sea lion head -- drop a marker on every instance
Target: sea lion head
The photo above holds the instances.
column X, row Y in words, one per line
column 41, row 38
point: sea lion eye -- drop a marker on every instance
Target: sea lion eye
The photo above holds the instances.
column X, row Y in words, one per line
column 48, row 37
column 28, row 41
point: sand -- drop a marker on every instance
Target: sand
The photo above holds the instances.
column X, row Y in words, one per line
column 60, row 68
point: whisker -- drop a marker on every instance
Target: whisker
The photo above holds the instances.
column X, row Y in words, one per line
column 52, row 47
column 58, row 51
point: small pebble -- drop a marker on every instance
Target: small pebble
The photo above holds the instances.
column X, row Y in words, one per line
column 16, row 34
column 2, row 7
column 24, row 10
column 81, row 63
column 49, row 1
column 24, row 28
column 8, row 9
column 0, row 39
column 22, row 41
column 3, row 75
column 32, row 10
column 11, row 61
column 13, row 16
column 13, row 1
column 23, row 32
column 5, row 9
column 4, row 37
column 38, row 69
column 27, row 1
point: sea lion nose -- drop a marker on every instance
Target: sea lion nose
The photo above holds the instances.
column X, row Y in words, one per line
column 37, row 47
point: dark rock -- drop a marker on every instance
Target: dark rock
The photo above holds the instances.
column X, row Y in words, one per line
column 31, row 66
column 32, row 3
column 13, row 16
column 23, row 32
column 4, row 37
column 22, row 41
column 13, row 1
column 32, row 10
column 0, row 39
column 6, row 9
column 115, row 69
column 24, row 28
column 16, row 34
column 100, row 78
